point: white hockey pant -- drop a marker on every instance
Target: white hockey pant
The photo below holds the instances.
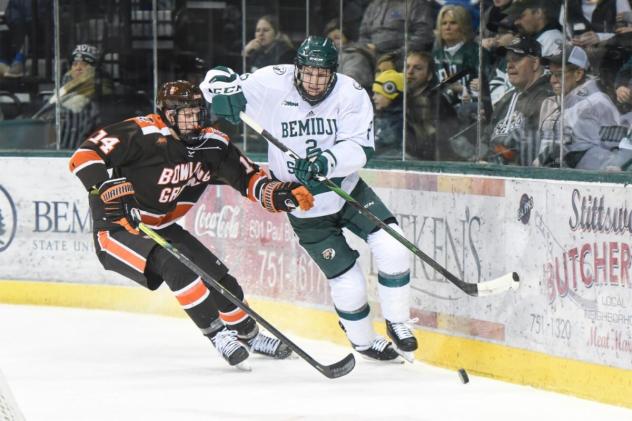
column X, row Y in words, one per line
column 393, row 265
column 348, row 291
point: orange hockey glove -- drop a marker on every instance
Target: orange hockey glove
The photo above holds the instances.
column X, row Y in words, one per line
column 120, row 205
column 279, row 196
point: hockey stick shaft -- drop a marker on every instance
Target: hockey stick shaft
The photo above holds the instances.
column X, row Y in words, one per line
column 332, row 371
column 500, row 284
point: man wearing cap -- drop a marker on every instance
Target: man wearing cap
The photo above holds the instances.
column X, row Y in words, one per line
column 586, row 110
column 514, row 125
column 388, row 91
column 538, row 19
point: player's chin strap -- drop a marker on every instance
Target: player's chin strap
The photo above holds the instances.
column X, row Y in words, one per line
column 494, row 286
column 337, row 369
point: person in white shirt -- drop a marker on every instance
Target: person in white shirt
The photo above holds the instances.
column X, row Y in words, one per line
column 586, row 110
column 327, row 119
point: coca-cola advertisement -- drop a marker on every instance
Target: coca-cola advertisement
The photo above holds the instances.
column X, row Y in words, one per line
column 259, row 247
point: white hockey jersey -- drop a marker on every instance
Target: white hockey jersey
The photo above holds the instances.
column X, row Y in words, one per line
column 342, row 123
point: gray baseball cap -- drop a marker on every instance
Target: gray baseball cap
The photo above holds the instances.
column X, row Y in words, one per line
column 574, row 55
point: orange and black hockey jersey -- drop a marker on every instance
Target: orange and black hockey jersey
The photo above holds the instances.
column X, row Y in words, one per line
column 166, row 182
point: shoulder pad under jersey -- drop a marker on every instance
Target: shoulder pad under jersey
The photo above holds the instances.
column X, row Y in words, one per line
column 151, row 123
column 271, row 74
column 213, row 133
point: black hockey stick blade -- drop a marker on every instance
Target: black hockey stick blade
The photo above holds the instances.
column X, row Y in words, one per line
column 338, row 369
column 332, row 371
column 495, row 286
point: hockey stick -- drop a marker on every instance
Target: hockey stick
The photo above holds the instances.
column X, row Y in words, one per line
column 450, row 80
column 332, row 371
column 493, row 286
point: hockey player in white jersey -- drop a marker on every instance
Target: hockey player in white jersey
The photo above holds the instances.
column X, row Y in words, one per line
column 327, row 119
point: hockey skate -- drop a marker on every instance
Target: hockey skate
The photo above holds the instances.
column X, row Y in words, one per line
column 248, row 333
column 233, row 351
column 403, row 339
column 269, row 346
column 379, row 350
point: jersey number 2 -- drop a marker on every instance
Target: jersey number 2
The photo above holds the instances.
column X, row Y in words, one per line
column 311, row 150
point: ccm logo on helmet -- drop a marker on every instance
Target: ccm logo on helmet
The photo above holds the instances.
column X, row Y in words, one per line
column 225, row 91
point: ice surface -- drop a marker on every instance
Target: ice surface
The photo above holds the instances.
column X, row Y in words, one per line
column 88, row 365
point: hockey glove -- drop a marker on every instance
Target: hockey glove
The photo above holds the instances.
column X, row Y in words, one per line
column 121, row 207
column 222, row 88
column 307, row 170
column 279, row 196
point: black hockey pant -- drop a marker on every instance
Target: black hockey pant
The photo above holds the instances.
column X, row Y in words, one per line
column 139, row 258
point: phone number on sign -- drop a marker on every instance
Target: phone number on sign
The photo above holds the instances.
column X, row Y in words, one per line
column 301, row 272
column 559, row 328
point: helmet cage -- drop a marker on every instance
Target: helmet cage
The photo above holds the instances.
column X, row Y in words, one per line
column 324, row 88
column 317, row 53
column 188, row 125
column 176, row 97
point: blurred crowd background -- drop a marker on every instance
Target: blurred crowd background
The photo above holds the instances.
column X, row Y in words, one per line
column 538, row 83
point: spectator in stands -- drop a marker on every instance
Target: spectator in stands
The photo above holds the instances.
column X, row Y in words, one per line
column 269, row 46
column 430, row 119
column 624, row 23
column 494, row 18
column 586, row 110
column 498, row 32
column 387, row 62
column 388, row 90
column 334, row 33
column 591, row 22
column 592, row 26
column 623, row 84
column 538, row 19
column 472, row 7
column 352, row 13
column 383, row 24
column 82, row 88
column 456, row 52
column 514, row 125
column 356, row 60
column 18, row 17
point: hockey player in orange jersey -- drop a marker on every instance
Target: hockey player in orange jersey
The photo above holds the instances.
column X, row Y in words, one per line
column 161, row 164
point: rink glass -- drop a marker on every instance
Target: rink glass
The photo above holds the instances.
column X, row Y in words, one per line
column 143, row 43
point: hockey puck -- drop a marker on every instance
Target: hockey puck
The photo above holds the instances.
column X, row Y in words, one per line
column 463, row 376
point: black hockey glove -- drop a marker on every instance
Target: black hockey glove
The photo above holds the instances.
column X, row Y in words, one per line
column 121, row 208
column 279, row 196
